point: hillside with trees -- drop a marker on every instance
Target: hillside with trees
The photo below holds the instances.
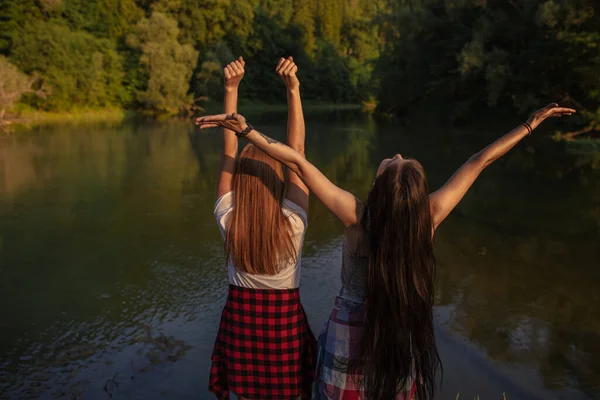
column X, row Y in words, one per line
column 165, row 56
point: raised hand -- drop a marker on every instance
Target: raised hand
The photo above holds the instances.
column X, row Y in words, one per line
column 234, row 72
column 551, row 110
column 235, row 122
column 286, row 69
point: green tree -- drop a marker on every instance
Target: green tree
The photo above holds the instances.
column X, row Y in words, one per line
column 167, row 63
column 102, row 18
column 98, row 53
column 81, row 69
column 330, row 17
column 304, row 19
column 491, row 54
column 13, row 85
column 13, row 15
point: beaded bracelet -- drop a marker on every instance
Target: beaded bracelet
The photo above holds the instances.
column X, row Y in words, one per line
column 245, row 132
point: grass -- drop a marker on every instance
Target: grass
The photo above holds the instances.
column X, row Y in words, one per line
column 477, row 397
column 36, row 117
column 28, row 117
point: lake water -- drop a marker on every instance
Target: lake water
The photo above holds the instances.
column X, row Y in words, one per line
column 112, row 276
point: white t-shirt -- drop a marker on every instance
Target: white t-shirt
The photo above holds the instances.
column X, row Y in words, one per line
column 289, row 275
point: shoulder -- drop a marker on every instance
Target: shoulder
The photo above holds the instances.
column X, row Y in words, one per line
column 356, row 236
column 295, row 214
column 223, row 205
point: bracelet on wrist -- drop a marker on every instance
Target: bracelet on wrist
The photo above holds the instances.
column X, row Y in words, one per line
column 528, row 127
column 245, row 132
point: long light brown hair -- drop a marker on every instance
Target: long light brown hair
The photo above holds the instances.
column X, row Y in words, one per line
column 259, row 236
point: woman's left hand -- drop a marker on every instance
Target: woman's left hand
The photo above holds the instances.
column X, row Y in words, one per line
column 286, row 69
column 551, row 110
column 236, row 122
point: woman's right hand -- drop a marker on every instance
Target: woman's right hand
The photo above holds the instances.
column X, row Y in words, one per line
column 551, row 110
column 286, row 69
column 235, row 122
column 234, row 72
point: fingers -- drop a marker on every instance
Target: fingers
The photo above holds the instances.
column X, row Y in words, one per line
column 281, row 60
column 565, row 110
column 560, row 111
column 237, row 69
column 211, row 118
column 553, row 110
column 283, row 66
column 206, row 126
column 237, row 117
column 286, row 67
column 289, row 68
column 239, row 65
column 234, row 68
column 206, row 122
column 231, row 71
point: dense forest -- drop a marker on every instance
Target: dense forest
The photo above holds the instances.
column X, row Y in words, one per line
column 167, row 55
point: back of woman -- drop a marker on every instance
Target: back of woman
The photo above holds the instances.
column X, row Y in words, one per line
column 383, row 313
column 264, row 231
column 265, row 348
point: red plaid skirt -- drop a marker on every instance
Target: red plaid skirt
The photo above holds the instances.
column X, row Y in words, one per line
column 265, row 348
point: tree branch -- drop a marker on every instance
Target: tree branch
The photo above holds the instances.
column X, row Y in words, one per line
column 571, row 135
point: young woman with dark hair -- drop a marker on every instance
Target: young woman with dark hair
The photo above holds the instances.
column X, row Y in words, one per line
column 379, row 340
column 265, row 348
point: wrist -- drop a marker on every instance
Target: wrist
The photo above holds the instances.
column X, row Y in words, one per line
column 533, row 122
column 231, row 89
column 244, row 130
column 293, row 91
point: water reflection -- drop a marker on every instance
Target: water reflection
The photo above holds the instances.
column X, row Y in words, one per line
column 111, row 277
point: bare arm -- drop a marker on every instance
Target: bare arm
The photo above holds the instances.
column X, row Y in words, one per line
column 286, row 69
column 443, row 201
column 234, row 72
column 341, row 203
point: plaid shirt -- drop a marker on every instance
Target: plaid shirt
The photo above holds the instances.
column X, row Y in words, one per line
column 337, row 346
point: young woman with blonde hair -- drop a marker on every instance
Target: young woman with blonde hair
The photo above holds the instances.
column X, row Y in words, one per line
column 265, row 348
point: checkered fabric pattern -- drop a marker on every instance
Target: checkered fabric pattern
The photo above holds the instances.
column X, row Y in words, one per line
column 265, row 348
column 338, row 344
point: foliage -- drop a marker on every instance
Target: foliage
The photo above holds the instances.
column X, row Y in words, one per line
column 82, row 70
column 167, row 63
column 13, row 84
column 492, row 53
column 158, row 54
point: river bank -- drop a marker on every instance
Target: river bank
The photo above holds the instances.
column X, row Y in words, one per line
column 30, row 117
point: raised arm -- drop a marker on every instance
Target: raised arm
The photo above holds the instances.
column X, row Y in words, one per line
column 234, row 72
column 342, row 204
column 443, row 201
column 286, row 69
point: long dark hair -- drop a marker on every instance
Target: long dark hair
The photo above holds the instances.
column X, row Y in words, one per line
column 398, row 342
